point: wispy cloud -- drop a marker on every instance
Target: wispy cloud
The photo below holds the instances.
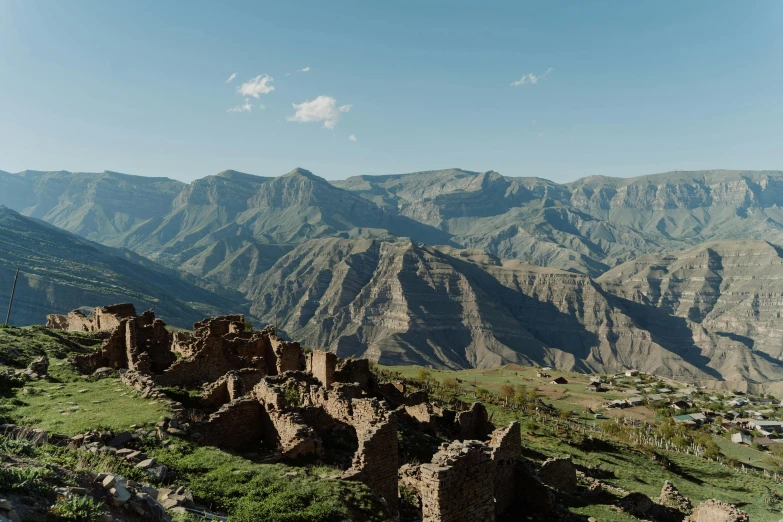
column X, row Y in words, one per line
column 323, row 108
column 304, row 69
column 257, row 86
column 352, row 138
column 245, row 107
column 531, row 78
column 231, row 78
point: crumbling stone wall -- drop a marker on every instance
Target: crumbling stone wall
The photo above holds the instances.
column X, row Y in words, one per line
column 231, row 386
column 322, row 366
column 237, row 425
column 220, row 345
column 354, row 370
column 375, row 462
column 474, row 423
column 458, row 485
column 506, row 444
column 137, row 343
column 559, row 474
column 104, row 318
column 182, row 343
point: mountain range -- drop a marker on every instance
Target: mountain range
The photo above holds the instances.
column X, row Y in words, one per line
column 674, row 273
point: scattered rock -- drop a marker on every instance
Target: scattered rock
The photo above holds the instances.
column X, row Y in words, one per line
column 120, row 495
column 671, row 497
column 716, row 511
column 146, row 463
column 636, row 504
column 121, row 439
column 40, row 366
column 104, row 371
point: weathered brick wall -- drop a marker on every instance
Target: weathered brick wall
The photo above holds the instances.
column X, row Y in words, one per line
column 206, row 365
column 559, row 474
column 288, row 356
column 422, row 413
column 293, row 437
column 105, row 319
column 238, row 425
column 506, row 444
column 458, row 485
column 375, row 462
column 354, row 370
column 322, row 365
column 474, row 423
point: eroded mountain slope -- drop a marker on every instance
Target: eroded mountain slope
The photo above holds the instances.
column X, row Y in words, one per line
column 402, row 302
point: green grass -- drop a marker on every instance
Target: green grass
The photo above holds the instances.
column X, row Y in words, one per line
column 743, row 454
column 75, row 407
column 21, row 345
column 250, row 491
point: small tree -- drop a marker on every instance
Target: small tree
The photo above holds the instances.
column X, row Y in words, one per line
column 424, row 376
column 507, row 392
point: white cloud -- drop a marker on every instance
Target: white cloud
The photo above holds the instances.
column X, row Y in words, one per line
column 352, row 137
column 540, row 134
column 323, row 108
column 257, row 86
column 246, row 107
column 262, row 107
column 305, row 69
column 531, row 78
column 231, row 78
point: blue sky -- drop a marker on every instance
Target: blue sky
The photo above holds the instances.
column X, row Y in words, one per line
column 632, row 88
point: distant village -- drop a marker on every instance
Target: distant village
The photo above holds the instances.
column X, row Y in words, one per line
column 750, row 420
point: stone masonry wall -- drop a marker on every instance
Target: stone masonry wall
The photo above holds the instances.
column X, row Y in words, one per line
column 474, row 423
column 322, row 365
column 104, row 319
column 506, row 444
column 458, row 485
column 238, row 425
column 376, row 461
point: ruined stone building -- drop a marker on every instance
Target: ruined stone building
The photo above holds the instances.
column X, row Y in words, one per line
column 263, row 394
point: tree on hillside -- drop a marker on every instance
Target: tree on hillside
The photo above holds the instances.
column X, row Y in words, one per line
column 507, row 392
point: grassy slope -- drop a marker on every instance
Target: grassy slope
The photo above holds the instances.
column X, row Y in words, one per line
column 630, row 469
column 246, row 490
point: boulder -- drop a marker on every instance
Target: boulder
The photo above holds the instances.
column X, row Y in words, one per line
column 121, row 439
column 120, row 495
column 636, row 504
column 39, row 366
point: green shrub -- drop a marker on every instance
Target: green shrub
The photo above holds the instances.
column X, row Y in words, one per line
column 77, row 509
column 24, row 480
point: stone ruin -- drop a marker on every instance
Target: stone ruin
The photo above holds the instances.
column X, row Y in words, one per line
column 468, row 480
column 104, row 319
column 262, row 394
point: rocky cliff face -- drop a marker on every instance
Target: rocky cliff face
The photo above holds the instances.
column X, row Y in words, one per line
column 729, row 292
column 401, row 302
column 591, row 224
column 331, row 263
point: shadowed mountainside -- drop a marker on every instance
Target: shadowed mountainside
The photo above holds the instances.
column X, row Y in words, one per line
column 61, row 271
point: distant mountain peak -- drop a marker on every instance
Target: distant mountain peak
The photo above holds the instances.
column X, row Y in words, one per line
column 234, row 174
column 300, row 172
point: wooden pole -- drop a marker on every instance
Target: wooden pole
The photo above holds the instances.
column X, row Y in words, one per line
column 11, row 302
